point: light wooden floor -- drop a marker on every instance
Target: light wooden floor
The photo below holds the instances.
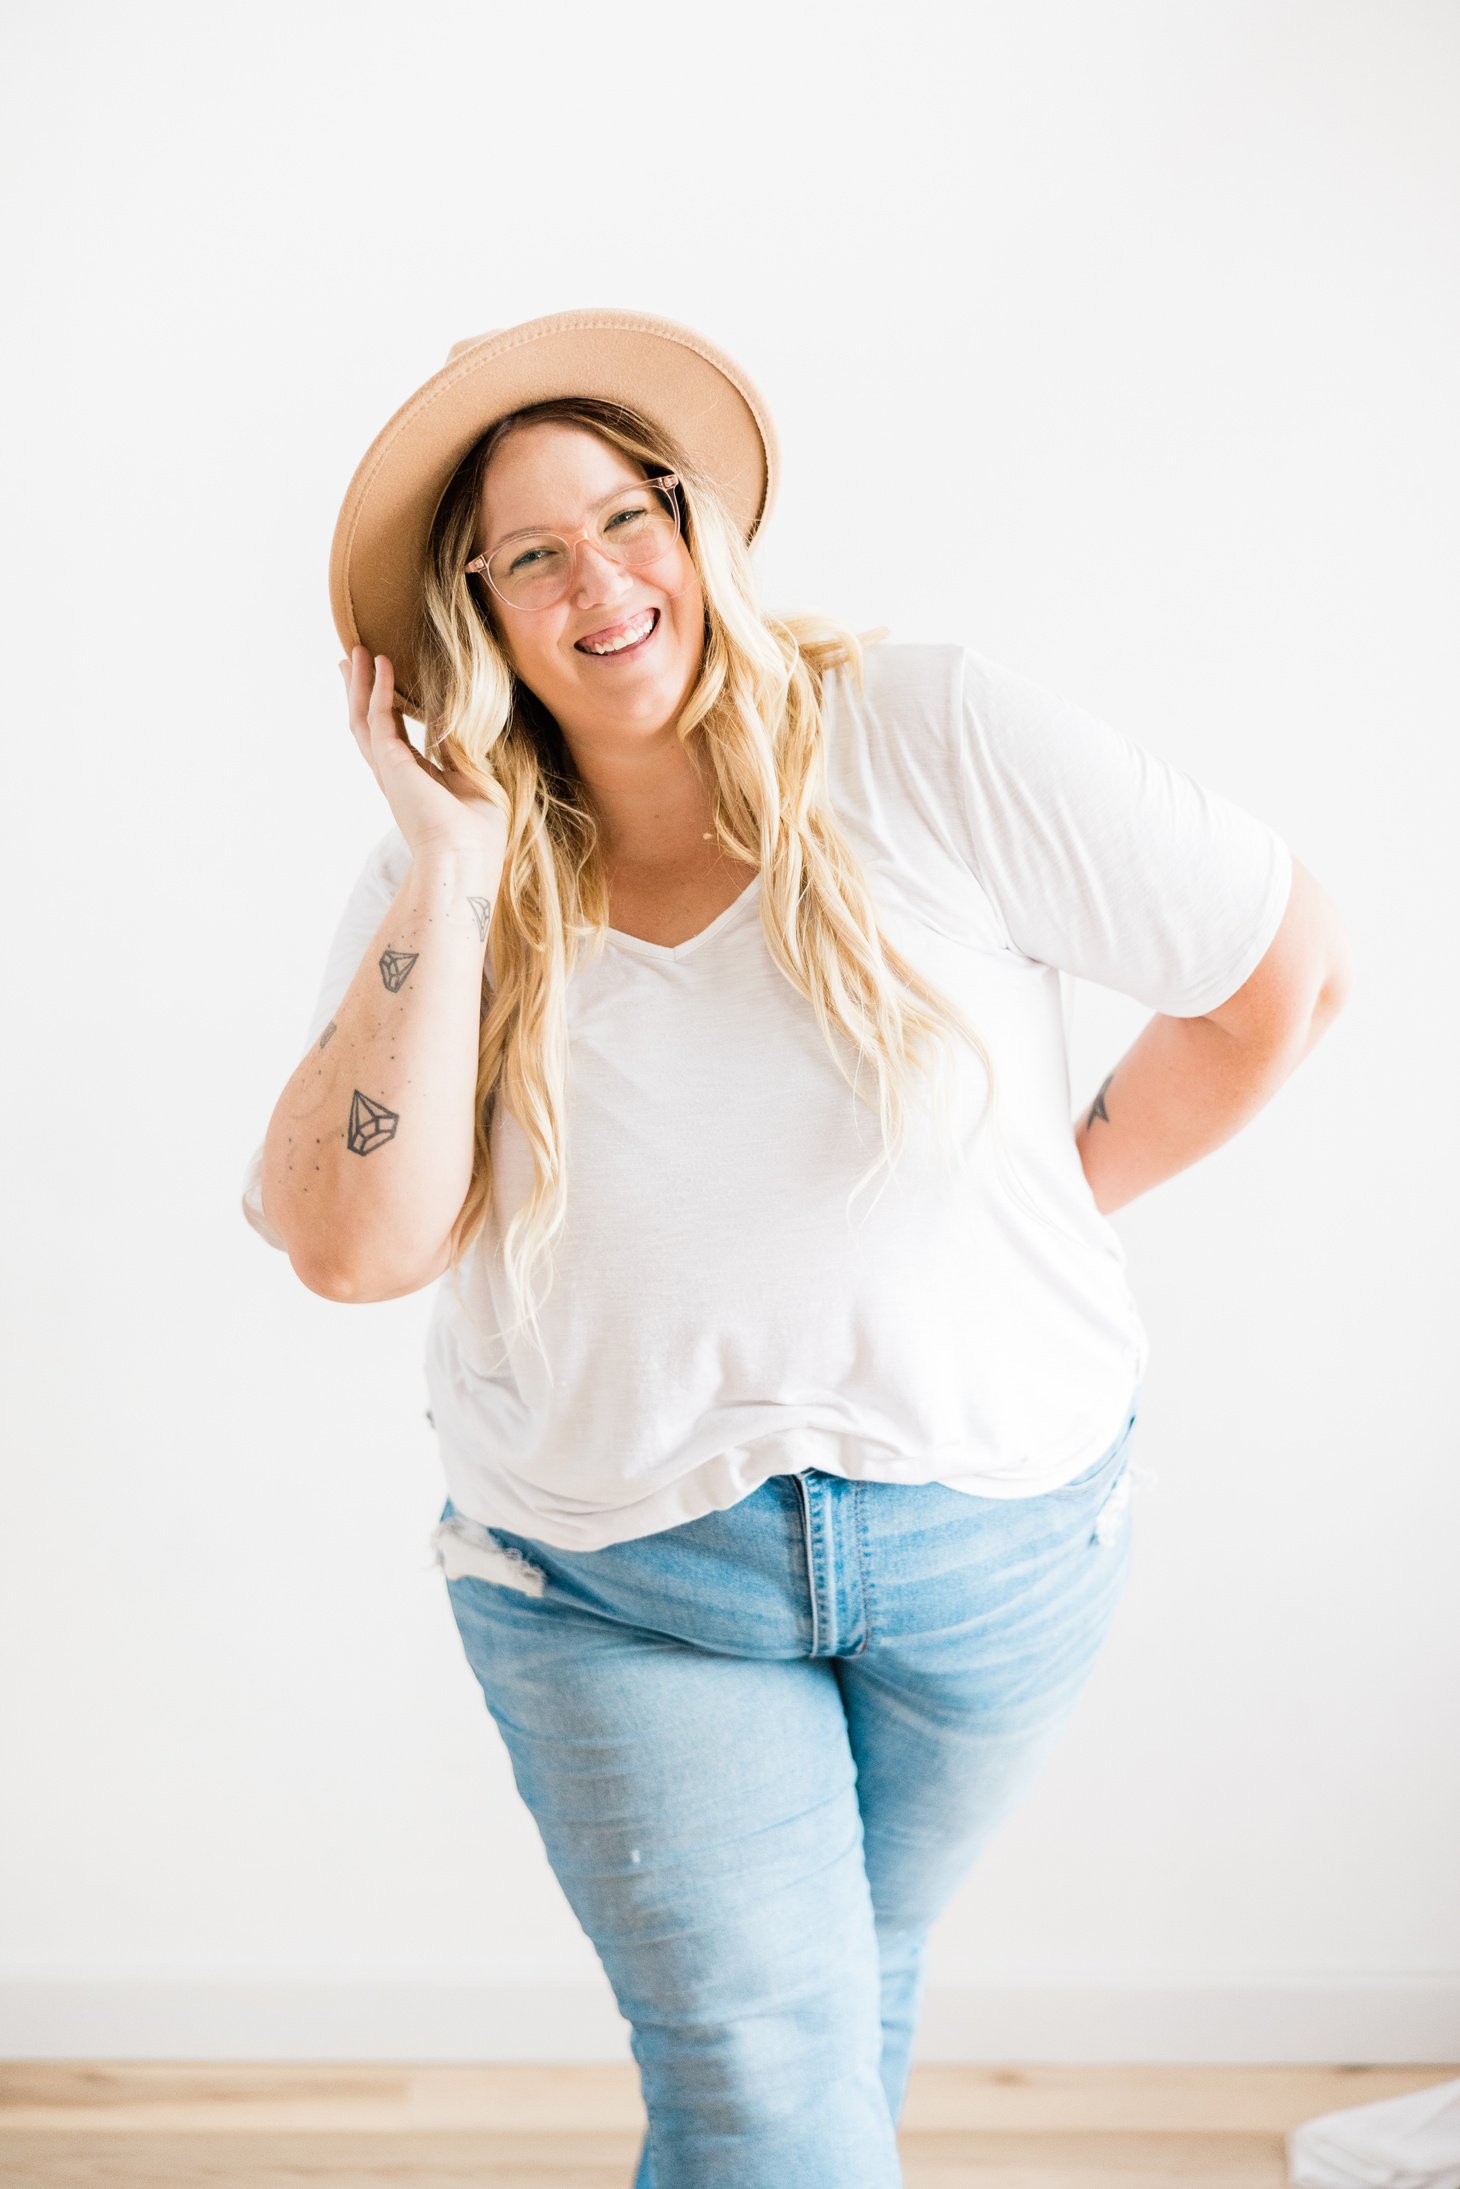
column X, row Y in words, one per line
column 156, row 2125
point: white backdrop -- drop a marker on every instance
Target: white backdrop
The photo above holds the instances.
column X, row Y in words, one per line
column 1147, row 316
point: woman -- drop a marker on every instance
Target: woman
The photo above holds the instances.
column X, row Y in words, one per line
column 783, row 1532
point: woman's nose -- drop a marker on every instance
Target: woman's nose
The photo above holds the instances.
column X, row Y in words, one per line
column 595, row 576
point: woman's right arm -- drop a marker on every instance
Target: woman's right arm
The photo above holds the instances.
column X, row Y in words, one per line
column 368, row 1154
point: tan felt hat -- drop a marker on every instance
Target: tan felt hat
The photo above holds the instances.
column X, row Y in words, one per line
column 672, row 375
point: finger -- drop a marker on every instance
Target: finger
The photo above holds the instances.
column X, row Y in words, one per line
column 387, row 717
column 357, row 687
column 356, row 698
column 383, row 705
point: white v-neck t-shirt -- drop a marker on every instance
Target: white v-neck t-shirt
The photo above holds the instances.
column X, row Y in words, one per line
column 721, row 1311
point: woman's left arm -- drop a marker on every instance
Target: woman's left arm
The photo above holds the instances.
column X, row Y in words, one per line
column 1187, row 1084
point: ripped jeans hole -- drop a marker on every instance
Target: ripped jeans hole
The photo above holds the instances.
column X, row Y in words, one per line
column 461, row 1546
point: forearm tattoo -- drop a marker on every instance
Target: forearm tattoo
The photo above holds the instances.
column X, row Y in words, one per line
column 395, row 967
column 1097, row 1107
column 371, row 1125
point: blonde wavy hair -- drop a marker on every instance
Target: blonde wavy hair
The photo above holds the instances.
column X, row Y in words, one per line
column 754, row 724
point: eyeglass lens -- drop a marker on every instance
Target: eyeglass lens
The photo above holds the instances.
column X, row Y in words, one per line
column 536, row 571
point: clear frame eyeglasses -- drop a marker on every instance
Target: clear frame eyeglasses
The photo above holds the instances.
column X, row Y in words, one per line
column 633, row 525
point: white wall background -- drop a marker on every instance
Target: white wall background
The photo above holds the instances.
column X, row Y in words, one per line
column 1148, row 316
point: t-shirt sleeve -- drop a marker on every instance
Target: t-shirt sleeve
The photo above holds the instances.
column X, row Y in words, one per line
column 376, row 888
column 1103, row 859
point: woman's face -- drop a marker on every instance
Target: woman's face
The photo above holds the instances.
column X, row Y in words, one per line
column 549, row 476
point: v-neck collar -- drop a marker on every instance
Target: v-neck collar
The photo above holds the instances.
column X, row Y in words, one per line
column 666, row 951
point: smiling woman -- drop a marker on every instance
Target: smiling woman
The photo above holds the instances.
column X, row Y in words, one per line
column 783, row 1534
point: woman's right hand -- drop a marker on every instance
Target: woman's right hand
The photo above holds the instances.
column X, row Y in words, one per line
column 435, row 808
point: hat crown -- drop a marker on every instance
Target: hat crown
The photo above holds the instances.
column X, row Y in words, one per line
column 459, row 349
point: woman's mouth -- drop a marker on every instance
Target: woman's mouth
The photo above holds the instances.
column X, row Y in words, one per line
column 628, row 640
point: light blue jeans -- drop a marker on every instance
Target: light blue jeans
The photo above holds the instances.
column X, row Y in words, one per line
column 763, row 1749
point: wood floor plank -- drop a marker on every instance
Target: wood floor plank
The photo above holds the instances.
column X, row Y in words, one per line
column 225, row 2095
column 1187, row 2098
column 249, row 2160
column 298, row 2094
column 602, row 2160
column 1092, row 2160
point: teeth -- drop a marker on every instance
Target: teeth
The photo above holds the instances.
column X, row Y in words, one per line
column 629, row 638
column 616, row 646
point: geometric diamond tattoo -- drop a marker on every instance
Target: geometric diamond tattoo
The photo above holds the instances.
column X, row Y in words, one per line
column 371, row 1125
column 395, row 965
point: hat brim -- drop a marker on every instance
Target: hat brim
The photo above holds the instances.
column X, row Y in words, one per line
column 671, row 374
